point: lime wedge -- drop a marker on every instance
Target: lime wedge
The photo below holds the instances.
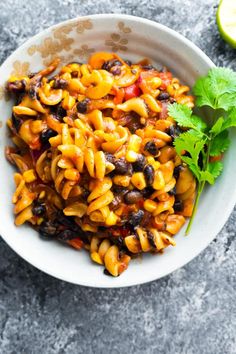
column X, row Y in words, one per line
column 226, row 21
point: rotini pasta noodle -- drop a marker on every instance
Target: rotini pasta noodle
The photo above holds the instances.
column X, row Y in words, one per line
column 96, row 165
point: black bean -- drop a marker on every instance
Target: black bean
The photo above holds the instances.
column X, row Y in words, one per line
column 172, row 191
column 122, row 167
column 17, row 122
column 105, row 271
column 60, row 113
column 133, row 122
column 136, row 218
column 133, row 197
column 174, row 131
column 48, row 229
column 67, row 221
column 115, row 70
column 177, row 171
column 130, row 169
column 148, row 67
column 150, row 238
column 16, row 86
column 110, row 63
column 139, row 164
column 32, row 93
column 82, row 106
column 33, row 88
column 149, row 174
column 163, row 96
column 46, row 135
column 128, row 62
column 120, row 190
column 119, row 241
column 66, row 235
column 151, row 148
column 60, row 83
column 146, row 192
column 109, row 157
column 178, row 205
column 39, row 209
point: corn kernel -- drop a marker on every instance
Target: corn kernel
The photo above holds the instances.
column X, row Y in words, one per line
column 109, row 167
column 111, row 219
column 39, row 221
column 156, row 82
column 131, row 156
column 29, row 176
column 134, row 143
column 150, row 205
column 68, row 102
column 96, row 216
column 42, row 195
column 87, row 227
column 138, row 180
column 121, row 180
column 159, row 181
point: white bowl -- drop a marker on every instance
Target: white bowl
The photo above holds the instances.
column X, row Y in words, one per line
column 133, row 38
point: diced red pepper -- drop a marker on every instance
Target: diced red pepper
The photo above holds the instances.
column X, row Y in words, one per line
column 132, row 91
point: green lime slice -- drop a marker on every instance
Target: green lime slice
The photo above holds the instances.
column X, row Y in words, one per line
column 226, row 21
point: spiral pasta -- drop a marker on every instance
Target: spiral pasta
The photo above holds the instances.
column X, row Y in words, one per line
column 97, row 167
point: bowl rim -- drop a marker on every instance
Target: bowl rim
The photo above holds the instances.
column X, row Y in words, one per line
column 39, row 265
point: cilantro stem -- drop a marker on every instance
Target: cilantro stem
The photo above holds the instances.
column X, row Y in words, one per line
column 199, row 192
column 201, row 186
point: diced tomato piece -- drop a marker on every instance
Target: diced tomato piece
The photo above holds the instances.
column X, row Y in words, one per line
column 132, row 91
column 119, row 95
column 166, row 78
column 76, row 243
column 216, row 158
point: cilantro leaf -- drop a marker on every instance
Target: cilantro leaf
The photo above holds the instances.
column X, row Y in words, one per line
column 220, row 143
column 193, row 143
column 230, row 121
column 223, row 80
column 226, row 101
column 217, row 89
column 182, row 114
column 217, row 127
column 215, row 168
column 202, row 91
column 197, row 145
column 206, row 176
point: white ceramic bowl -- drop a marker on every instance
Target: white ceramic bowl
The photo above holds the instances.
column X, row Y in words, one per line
column 133, row 38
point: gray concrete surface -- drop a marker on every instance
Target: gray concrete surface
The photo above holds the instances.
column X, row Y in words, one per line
column 189, row 312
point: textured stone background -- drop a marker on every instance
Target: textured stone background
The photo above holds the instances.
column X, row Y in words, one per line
column 191, row 311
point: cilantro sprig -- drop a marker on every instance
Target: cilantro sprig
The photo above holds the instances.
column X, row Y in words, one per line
column 201, row 145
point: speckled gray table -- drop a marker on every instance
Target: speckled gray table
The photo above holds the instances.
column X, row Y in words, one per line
column 189, row 312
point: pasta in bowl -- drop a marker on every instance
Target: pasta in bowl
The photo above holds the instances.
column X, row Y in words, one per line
column 58, row 188
column 97, row 165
